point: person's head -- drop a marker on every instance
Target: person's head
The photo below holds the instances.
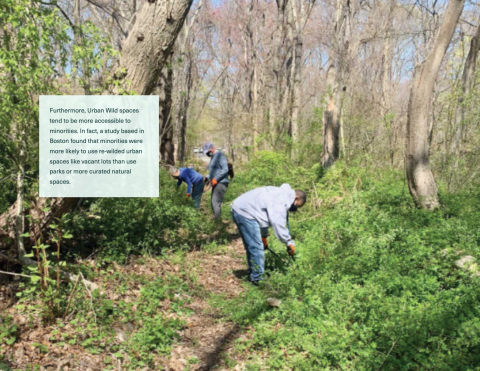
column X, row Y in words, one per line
column 174, row 172
column 209, row 149
column 300, row 199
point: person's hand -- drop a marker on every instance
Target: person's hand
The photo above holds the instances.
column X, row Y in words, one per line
column 214, row 182
column 188, row 195
column 291, row 250
column 205, row 179
column 265, row 242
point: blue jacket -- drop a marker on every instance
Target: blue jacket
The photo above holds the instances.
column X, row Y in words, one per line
column 269, row 207
column 190, row 177
column 218, row 168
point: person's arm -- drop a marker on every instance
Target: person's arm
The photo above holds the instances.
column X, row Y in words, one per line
column 188, row 180
column 222, row 168
column 277, row 217
column 211, row 169
column 179, row 182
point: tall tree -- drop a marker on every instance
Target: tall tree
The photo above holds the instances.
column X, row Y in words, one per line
column 167, row 148
column 419, row 175
column 466, row 86
column 336, row 81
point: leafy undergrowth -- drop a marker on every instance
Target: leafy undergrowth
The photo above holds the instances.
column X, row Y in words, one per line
column 375, row 284
column 133, row 318
column 114, row 229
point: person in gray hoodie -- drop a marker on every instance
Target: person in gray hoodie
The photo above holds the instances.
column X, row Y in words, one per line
column 218, row 176
column 255, row 211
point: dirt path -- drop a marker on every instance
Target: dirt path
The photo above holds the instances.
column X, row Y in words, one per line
column 206, row 344
column 208, row 341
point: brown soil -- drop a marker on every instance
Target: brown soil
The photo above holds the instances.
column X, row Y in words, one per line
column 209, row 337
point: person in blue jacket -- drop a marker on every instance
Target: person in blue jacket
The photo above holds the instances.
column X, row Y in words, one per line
column 194, row 180
column 218, row 176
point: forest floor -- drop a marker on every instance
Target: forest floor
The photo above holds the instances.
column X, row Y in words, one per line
column 206, row 341
column 210, row 336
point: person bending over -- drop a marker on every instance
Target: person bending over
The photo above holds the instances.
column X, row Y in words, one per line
column 194, row 182
column 255, row 211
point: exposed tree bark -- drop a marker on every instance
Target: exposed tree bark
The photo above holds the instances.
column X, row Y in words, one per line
column 419, row 175
column 150, row 42
column 185, row 80
column 300, row 18
column 167, row 149
column 336, row 82
column 387, row 56
column 20, row 212
column 468, row 77
column 276, row 80
column 331, row 124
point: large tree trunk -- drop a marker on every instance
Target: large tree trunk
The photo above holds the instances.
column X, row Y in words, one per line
column 419, row 175
column 150, row 42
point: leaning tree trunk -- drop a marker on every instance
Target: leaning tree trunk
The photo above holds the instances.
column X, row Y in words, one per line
column 150, row 42
column 419, row 175
column 143, row 56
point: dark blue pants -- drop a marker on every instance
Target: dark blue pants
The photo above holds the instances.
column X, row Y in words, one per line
column 197, row 193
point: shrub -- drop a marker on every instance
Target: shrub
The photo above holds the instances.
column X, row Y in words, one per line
column 118, row 227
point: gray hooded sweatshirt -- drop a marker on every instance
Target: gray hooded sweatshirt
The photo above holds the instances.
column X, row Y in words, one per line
column 269, row 207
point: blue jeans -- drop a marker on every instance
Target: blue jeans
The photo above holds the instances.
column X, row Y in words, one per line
column 197, row 193
column 252, row 241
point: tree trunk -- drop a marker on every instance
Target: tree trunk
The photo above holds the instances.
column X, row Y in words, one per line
column 468, row 77
column 150, row 42
column 167, row 148
column 20, row 215
column 300, row 17
column 419, row 175
column 336, row 82
column 185, row 103
column 276, row 70
column 331, row 124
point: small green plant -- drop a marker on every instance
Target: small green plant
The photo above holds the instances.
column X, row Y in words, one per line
column 52, row 297
column 8, row 331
